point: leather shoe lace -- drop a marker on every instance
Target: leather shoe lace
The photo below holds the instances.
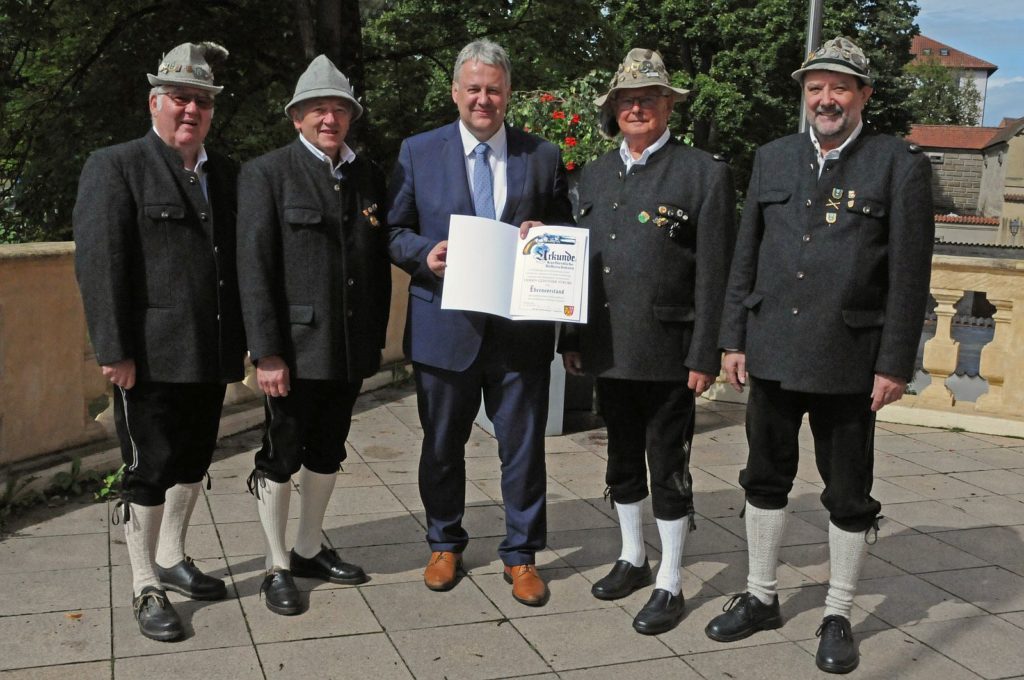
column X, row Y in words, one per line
column 155, row 615
column 186, row 579
column 622, row 580
column 744, row 615
column 837, row 650
column 282, row 595
column 327, row 566
column 662, row 613
column 527, row 586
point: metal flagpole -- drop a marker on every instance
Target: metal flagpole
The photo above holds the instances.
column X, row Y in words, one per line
column 813, row 42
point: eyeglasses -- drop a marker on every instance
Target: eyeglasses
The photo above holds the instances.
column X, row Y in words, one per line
column 183, row 100
column 645, row 102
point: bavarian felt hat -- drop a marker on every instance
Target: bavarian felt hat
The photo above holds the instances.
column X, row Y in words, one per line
column 190, row 65
column 840, row 55
column 323, row 79
column 641, row 68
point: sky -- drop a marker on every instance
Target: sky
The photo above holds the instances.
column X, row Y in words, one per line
column 992, row 30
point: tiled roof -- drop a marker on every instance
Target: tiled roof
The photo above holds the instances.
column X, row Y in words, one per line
column 951, row 136
column 966, row 219
column 1007, row 130
column 951, row 58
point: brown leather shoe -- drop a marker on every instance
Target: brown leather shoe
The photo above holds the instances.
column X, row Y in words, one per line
column 527, row 585
column 441, row 570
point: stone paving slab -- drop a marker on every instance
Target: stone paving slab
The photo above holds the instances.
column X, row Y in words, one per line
column 941, row 595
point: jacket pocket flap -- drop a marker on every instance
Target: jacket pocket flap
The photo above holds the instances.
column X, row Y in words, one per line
column 753, row 300
column 302, row 216
column 863, row 318
column 774, row 196
column 300, row 314
column 422, row 293
column 673, row 313
column 165, row 212
column 866, row 206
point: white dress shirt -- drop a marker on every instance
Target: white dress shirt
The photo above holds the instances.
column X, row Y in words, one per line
column 628, row 159
column 497, row 159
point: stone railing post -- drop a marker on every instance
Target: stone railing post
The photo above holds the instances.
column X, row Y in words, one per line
column 995, row 356
column 942, row 352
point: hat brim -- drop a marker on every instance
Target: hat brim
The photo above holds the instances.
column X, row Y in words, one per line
column 798, row 75
column 357, row 108
column 156, row 81
column 678, row 93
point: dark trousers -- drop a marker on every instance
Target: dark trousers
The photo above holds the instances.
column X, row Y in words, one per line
column 168, row 432
column 306, row 428
column 843, row 426
column 517, row 404
column 656, row 418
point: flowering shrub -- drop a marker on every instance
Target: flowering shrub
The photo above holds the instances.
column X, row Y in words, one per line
column 565, row 117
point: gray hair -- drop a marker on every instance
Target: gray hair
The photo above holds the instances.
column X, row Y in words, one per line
column 486, row 52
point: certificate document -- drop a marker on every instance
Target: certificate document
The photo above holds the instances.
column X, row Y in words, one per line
column 542, row 278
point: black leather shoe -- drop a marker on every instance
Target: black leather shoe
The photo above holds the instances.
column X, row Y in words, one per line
column 186, row 579
column 282, row 595
column 622, row 580
column 837, row 651
column 327, row 566
column 662, row 613
column 157, row 618
column 744, row 615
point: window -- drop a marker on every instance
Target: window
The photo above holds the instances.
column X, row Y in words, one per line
column 936, row 158
column 927, row 51
column 943, row 51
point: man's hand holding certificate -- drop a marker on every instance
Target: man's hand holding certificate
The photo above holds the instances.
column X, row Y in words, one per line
column 490, row 269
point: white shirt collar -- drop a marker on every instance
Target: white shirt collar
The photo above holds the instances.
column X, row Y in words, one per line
column 834, row 153
column 627, row 157
column 347, row 155
column 498, row 142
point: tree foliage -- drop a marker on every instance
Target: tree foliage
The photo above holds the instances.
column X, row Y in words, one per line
column 939, row 99
column 72, row 73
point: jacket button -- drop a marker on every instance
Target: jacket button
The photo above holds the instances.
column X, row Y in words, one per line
column 615, row 206
column 795, row 311
column 867, row 210
column 351, row 282
column 216, row 249
column 606, row 305
column 620, row 174
column 807, row 238
column 348, row 312
column 607, row 270
column 218, row 317
column 221, row 283
column 164, row 214
column 203, row 216
column 808, row 203
column 685, row 217
column 800, row 275
column 611, row 236
column 337, row 187
column 192, row 179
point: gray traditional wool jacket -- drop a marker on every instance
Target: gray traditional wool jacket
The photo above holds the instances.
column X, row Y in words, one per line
column 155, row 262
column 830, row 278
column 313, row 264
column 661, row 237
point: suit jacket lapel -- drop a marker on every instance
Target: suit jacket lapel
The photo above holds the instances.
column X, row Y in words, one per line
column 454, row 181
column 515, row 174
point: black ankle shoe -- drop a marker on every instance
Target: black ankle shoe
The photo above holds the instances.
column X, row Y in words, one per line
column 282, row 595
column 744, row 615
column 622, row 580
column 186, row 579
column 662, row 613
column 157, row 618
column 327, row 566
column 837, row 650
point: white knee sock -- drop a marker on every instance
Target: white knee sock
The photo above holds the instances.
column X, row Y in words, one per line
column 315, row 490
column 846, row 551
column 272, row 506
column 181, row 499
column 141, row 532
column 631, row 524
column 673, row 538
column 764, row 538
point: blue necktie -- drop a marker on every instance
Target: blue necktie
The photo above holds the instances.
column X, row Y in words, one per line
column 483, row 184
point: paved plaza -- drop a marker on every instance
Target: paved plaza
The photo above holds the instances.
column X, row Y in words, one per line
column 941, row 597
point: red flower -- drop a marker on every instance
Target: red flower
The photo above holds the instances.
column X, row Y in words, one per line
column 558, row 115
column 571, row 165
column 526, row 128
column 547, row 97
column 575, row 119
column 570, row 141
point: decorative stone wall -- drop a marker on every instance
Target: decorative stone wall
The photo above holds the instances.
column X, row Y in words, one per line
column 956, row 181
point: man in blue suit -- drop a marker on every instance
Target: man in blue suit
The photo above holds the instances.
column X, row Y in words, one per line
column 476, row 166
